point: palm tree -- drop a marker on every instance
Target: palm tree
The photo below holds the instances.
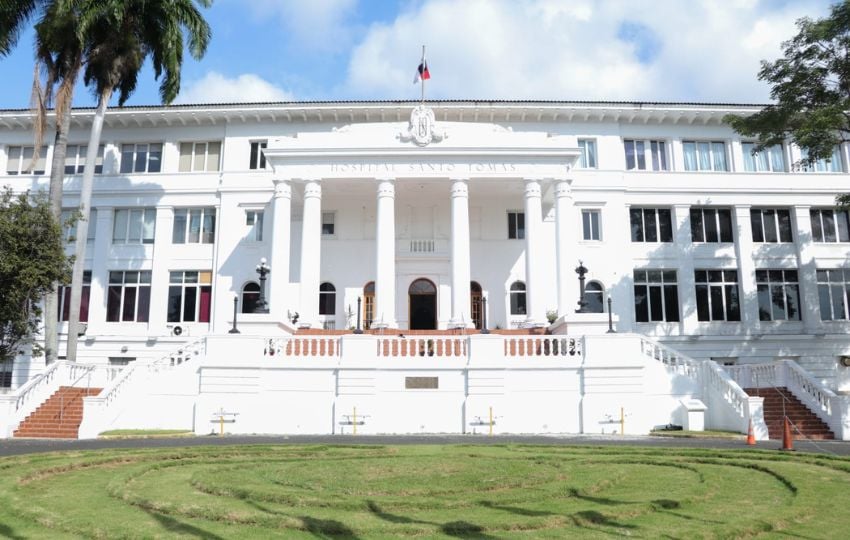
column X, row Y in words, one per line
column 118, row 36
column 58, row 54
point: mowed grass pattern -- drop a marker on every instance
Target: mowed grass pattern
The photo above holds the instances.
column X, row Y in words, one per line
column 423, row 491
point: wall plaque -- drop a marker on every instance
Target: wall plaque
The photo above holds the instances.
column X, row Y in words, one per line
column 420, row 383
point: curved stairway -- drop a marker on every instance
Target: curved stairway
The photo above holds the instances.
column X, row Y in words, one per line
column 59, row 417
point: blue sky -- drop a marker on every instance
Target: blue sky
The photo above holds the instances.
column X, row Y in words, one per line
column 653, row 50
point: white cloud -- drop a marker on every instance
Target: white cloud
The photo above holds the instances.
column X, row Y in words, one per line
column 217, row 88
column 320, row 25
column 550, row 49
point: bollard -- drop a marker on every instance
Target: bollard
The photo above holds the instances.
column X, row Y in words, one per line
column 622, row 422
column 354, row 421
column 787, row 439
column 491, row 421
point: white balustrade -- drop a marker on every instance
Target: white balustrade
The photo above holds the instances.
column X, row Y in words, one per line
column 321, row 346
column 543, row 346
column 431, row 345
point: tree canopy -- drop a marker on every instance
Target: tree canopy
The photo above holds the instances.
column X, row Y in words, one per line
column 810, row 84
column 32, row 258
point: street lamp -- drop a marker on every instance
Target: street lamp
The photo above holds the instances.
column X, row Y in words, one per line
column 262, row 269
column 581, row 270
column 484, row 315
column 358, row 330
column 235, row 330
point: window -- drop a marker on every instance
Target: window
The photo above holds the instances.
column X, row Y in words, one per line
column 199, row 156
column 830, row 225
column 64, row 292
column 254, row 219
column 771, row 159
column 516, row 225
column 645, row 155
column 651, row 224
column 328, row 219
column 70, row 231
column 140, row 158
column 189, row 295
column 590, row 224
column 717, row 295
column 833, row 290
column 771, row 225
column 258, row 158
column 593, row 295
column 778, row 294
column 327, row 299
column 128, row 296
column 6, row 369
column 656, row 296
column 75, row 159
column 368, row 304
column 587, row 160
column 19, row 160
column 832, row 164
column 711, row 225
column 193, row 226
column 705, row 156
column 518, row 298
column 134, row 226
column 250, row 297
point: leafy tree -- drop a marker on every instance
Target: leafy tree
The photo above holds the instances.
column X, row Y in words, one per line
column 811, row 88
column 32, row 258
column 118, row 36
column 58, row 53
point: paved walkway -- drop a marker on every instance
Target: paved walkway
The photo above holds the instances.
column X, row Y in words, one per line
column 13, row 447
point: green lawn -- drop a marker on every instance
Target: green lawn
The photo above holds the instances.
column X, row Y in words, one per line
column 423, row 491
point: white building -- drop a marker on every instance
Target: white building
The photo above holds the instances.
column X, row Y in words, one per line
column 436, row 218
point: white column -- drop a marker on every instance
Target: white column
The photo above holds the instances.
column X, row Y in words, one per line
column 281, row 222
column 534, row 254
column 807, row 271
column 460, row 264
column 744, row 248
column 385, row 255
column 100, row 270
column 311, row 251
column 565, row 242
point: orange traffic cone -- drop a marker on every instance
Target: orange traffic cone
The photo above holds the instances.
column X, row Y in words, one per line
column 751, row 438
column 787, row 439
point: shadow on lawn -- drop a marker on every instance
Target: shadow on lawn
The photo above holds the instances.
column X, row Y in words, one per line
column 459, row 529
column 8, row 532
column 175, row 526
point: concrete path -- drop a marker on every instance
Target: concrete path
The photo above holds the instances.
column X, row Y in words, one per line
column 13, row 447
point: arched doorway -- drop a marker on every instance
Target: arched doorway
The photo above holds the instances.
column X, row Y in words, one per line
column 476, row 307
column 368, row 305
column 423, row 305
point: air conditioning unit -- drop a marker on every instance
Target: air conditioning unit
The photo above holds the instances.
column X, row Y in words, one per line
column 178, row 331
column 844, row 360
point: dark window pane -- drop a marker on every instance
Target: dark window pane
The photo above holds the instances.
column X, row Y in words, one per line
column 777, row 297
column 817, row 230
column 671, row 303
column 129, row 311
column 520, row 225
column 204, row 308
column 769, row 217
column 511, row 225
column 636, row 221
column 255, row 150
column 733, row 306
column 838, row 301
column 725, row 218
column 669, row 276
column 785, row 234
column 190, row 297
column 764, row 303
column 792, row 300
column 665, row 224
column 825, row 302
column 717, row 311
column 702, row 302
column 178, row 235
column 640, row 153
column 655, row 304
column 641, row 304
column 651, row 231
column 761, row 276
column 630, row 154
column 710, row 218
column 143, row 310
column 175, row 299
column 791, row 275
column 113, row 304
column 697, row 234
column 841, row 223
column 828, row 226
column 755, row 223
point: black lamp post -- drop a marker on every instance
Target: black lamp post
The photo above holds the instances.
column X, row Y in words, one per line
column 235, row 330
column 263, row 270
column 358, row 330
column 581, row 270
column 610, row 319
column 484, row 315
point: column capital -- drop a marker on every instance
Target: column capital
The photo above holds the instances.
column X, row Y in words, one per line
column 282, row 188
column 459, row 187
column 532, row 187
column 563, row 188
column 312, row 188
column 386, row 187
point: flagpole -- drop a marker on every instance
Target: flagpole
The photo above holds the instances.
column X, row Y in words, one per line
column 422, row 78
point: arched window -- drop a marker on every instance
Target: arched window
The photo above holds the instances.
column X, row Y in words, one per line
column 250, row 297
column 518, row 298
column 593, row 295
column 327, row 299
column 368, row 304
column 422, row 286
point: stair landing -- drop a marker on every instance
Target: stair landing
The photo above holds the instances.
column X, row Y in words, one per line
column 57, row 418
column 808, row 425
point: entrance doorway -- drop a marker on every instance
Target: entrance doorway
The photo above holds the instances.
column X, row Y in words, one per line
column 476, row 295
column 423, row 305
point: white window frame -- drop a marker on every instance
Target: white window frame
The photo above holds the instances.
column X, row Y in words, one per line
column 654, row 225
column 588, row 159
column 784, row 284
column 136, row 153
column 69, row 233
column 206, row 235
column 774, row 226
column 143, row 280
column 261, row 163
column 655, row 154
column 842, row 234
column 588, row 227
column 516, row 229
column 199, row 150
column 75, row 159
column 189, row 279
column 332, row 223
column 255, row 225
column 712, row 164
column 147, row 225
column 728, row 285
column 762, row 162
column 833, row 287
column 657, row 278
column 829, row 166
column 23, row 160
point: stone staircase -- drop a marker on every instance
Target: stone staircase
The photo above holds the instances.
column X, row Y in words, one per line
column 59, row 417
column 808, row 425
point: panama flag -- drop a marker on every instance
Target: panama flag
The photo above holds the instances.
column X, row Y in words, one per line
column 422, row 73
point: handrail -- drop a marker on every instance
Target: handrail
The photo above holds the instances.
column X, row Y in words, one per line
column 87, row 370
